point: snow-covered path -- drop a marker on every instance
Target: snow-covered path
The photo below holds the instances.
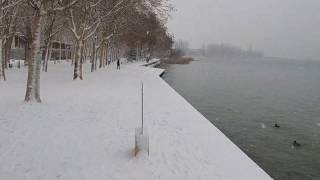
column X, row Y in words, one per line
column 84, row 130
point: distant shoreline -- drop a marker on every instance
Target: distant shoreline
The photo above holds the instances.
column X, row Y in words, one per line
column 177, row 60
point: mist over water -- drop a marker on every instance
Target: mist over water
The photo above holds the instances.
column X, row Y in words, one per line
column 245, row 98
column 280, row 28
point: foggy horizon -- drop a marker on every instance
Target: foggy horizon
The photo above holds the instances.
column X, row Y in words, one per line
column 287, row 29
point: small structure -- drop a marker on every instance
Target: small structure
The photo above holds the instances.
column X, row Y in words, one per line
column 18, row 47
column 141, row 135
column 59, row 50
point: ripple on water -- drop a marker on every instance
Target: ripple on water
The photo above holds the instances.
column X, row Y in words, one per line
column 249, row 97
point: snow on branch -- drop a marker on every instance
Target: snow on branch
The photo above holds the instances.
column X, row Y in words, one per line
column 65, row 7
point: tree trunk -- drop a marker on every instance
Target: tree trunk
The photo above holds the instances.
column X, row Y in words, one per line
column 27, row 49
column 114, row 52
column 93, row 56
column 48, row 58
column 82, row 55
column 8, row 49
column 101, row 63
column 118, row 53
column 77, row 73
column 2, row 67
column 33, row 83
column 28, row 52
column 111, row 54
column 4, row 54
column 150, row 53
column 45, row 60
column 141, row 48
column 81, row 62
column 85, row 52
column 60, row 51
column 137, row 53
column 106, row 56
column 96, row 59
column 74, row 52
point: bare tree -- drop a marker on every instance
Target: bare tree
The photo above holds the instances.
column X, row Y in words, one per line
column 83, row 24
column 54, row 24
column 84, row 21
column 8, row 10
column 40, row 9
column 100, row 25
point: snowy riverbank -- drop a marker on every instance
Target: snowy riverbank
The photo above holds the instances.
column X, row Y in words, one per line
column 84, row 130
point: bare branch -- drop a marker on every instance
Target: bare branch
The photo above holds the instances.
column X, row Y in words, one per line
column 65, row 7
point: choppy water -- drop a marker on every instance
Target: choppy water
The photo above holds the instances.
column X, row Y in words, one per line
column 245, row 98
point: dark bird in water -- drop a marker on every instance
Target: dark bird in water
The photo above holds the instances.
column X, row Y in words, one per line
column 276, row 125
column 296, row 144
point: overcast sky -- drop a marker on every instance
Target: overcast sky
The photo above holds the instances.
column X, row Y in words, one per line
column 283, row 28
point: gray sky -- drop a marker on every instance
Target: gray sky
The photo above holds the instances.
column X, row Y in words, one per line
column 283, row 28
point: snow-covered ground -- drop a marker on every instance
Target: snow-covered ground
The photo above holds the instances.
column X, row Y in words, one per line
column 84, row 130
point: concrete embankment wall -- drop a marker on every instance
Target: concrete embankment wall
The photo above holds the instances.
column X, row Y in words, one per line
column 191, row 136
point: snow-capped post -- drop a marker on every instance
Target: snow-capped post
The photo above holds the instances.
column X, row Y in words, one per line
column 141, row 135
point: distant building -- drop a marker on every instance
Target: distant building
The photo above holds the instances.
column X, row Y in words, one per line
column 18, row 48
column 59, row 50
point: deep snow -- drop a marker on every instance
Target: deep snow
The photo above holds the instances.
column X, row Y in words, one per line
column 84, row 130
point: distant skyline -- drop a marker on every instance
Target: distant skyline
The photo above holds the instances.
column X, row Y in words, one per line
column 286, row 28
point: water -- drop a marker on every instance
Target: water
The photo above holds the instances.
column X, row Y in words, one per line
column 245, row 98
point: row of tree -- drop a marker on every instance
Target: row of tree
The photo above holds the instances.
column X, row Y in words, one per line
column 94, row 28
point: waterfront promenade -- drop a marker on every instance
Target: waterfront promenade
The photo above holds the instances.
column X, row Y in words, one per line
column 84, row 130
